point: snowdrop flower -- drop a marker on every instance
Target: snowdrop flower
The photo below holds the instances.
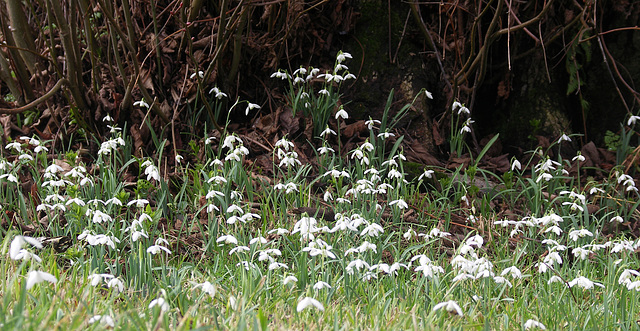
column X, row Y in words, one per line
column 16, row 146
column 18, row 243
column 11, row 178
column 632, row 120
column 207, row 287
column 372, row 230
column 104, row 320
column 227, row 239
column 428, row 94
column 140, row 203
column 578, row 158
column 513, row 271
column 530, row 324
column 343, row 56
column 555, row 279
column 407, row 235
column 502, row 280
column 155, row 249
column 467, row 126
column 100, row 217
column 515, row 165
column 116, row 283
column 160, row 302
column 321, row 285
column 625, row 276
column 278, row 231
column 36, row 277
column 464, row 110
column 577, row 234
column 616, row 219
column 580, row 252
column 280, row 74
column 199, row 74
column 327, row 131
column 290, row 280
column 96, row 279
column 451, row 306
column 141, row 104
column 564, row 137
column 385, row 135
column 371, row 122
column 426, row 174
column 217, row 93
column 429, row 270
column 250, row 107
column 584, row 282
column 341, row 113
column 309, row 302
column 400, row 204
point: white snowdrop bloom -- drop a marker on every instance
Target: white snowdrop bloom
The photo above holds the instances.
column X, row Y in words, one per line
column 227, row 239
column 516, row 165
column 96, row 279
column 428, row 94
column 342, row 114
column 141, row 103
column 407, row 235
column 584, row 282
column 104, row 320
column 464, row 110
column 577, row 234
column 10, row 178
column 342, row 56
column 327, row 131
column 531, row 324
column 555, row 229
column 18, row 243
column 358, row 264
column 400, row 204
column 116, row 284
column 25, row 157
column 513, row 271
column 250, row 107
column 155, row 249
column 277, row 265
column 258, row 240
column 372, row 230
column 161, row 303
column 321, row 285
column 239, row 249
column 289, row 280
column 100, row 217
column 306, row 226
column 309, row 302
column 581, row 253
column 632, row 120
column 367, row 246
column 502, row 280
column 555, row 279
column 475, row 240
column 217, row 93
column 616, row 219
column 140, row 203
column 626, row 276
column 426, row 174
column 462, row 277
column 429, row 270
column 564, row 137
column 36, row 277
column 278, row 231
column 207, row 287
column 450, row 306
